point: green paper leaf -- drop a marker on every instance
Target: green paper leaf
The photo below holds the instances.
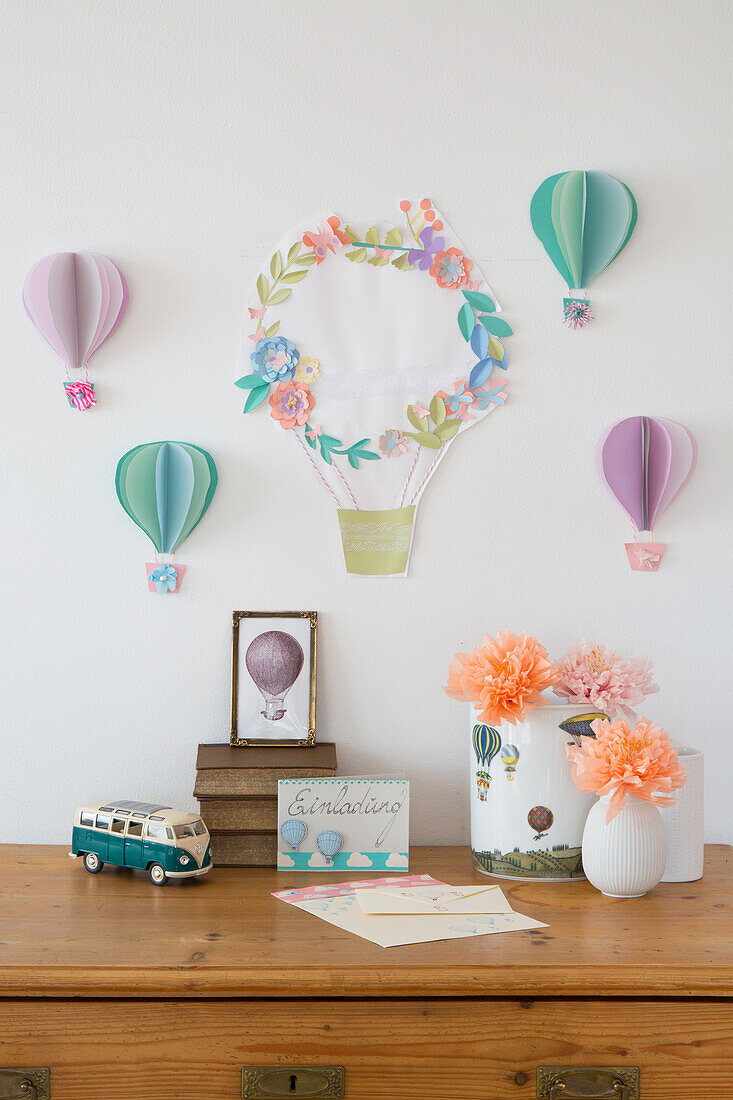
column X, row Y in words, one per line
column 276, row 265
column 479, row 301
column 402, row 263
column 357, row 256
column 372, row 237
column 249, row 382
column 420, row 423
column 496, row 349
column 393, row 237
column 378, row 261
column 425, row 439
column 294, row 250
column 255, row 398
column 495, row 325
column 447, row 429
column 437, row 409
column 306, row 260
column 278, row 297
column 272, row 329
column 353, row 460
column 350, row 233
column 369, row 455
column 294, row 277
column 263, row 288
column 465, row 321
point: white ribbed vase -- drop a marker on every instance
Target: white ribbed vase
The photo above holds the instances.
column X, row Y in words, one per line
column 625, row 856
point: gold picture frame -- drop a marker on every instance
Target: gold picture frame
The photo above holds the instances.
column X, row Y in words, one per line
column 293, row 742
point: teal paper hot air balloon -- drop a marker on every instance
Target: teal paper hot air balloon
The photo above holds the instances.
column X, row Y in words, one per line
column 584, row 220
column 166, row 488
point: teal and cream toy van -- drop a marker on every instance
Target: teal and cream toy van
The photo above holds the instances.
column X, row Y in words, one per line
column 164, row 842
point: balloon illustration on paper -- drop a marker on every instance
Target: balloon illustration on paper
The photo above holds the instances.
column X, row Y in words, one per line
column 373, row 348
column 329, row 842
column 486, row 744
column 274, row 661
column 293, row 832
column 509, row 757
column 646, row 462
column 584, row 220
column 540, row 819
column 76, row 301
column 166, row 489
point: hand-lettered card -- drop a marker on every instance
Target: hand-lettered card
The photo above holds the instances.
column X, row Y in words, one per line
column 346, row 823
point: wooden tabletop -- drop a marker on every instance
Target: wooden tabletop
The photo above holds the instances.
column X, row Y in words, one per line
column 64, row 932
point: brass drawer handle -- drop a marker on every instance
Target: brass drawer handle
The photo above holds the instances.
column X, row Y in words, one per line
column 25, row 1084
column 294, row 1081
column 588, row 1083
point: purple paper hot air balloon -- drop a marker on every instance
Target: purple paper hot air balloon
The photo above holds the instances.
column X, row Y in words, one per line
column 646, row 461
column 75, row 300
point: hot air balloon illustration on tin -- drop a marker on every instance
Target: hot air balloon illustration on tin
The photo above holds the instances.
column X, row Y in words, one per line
column 293, row 831
column 274, row 661
column 646, row 462
column 540, row 819
column 486, row 744
column 584, row 220
column 75, row 300
column 509, row 756
column 166, row 488
column 580, row 725
column 329, row 842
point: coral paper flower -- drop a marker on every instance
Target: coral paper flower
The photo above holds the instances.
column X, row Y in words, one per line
column 451, row 268
column 504, row 676
column 290, row 403
column 621, row 761
column 595, row 674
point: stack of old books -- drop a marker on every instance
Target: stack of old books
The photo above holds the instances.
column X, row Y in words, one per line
column 237, row 791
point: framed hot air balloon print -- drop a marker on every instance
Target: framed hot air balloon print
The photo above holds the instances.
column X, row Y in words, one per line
column 274, row 678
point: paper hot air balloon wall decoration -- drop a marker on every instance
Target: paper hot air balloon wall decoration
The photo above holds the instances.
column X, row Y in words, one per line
column 646, row 462
column 584, row 220
column 76, row 301
column 373, row 348
column 166, row 489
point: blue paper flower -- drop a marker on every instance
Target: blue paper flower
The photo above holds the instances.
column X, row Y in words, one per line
column 165, row 579
column 275, row 359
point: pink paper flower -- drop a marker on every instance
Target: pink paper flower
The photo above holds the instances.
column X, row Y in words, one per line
column 504, row 676
column 290, row 404
column 597, row 675
column 620, row 761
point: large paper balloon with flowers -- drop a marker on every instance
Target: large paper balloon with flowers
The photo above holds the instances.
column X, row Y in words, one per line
column 373, row 347
column 76, row 301
column 646, row 462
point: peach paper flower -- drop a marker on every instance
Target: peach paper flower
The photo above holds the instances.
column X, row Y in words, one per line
column 621, row 761
column 504, row 676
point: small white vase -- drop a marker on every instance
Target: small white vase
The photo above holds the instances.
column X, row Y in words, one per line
column 626, row 856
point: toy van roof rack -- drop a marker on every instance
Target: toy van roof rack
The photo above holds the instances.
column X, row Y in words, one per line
column 139, row 809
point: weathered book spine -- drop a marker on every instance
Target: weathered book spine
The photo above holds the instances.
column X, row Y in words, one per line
column 246, row 783
column 244, row 849
column 257, row 815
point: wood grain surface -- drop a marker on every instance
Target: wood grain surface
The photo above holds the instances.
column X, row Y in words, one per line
column 64, row 932
column 392, row 1050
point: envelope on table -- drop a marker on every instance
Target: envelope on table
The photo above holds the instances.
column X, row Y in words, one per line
column 425, row 900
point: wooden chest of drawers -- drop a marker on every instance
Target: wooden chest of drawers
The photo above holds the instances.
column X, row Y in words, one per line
column 132, row 992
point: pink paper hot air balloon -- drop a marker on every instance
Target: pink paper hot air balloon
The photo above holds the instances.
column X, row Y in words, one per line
column 646, row 461
column 75, row 300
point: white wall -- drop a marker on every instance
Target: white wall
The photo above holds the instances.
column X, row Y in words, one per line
column 182, row 139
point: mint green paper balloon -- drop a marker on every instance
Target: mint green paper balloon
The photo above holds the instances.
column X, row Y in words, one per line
column 166, row 488
column 584, row 220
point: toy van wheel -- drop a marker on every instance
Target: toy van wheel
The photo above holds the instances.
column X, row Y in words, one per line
column 93, row 863
column 157, row 874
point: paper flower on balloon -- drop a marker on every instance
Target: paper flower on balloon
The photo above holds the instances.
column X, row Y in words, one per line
column 76, row 301
column 275, row 359
column 166, row 489
column 363, row 309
